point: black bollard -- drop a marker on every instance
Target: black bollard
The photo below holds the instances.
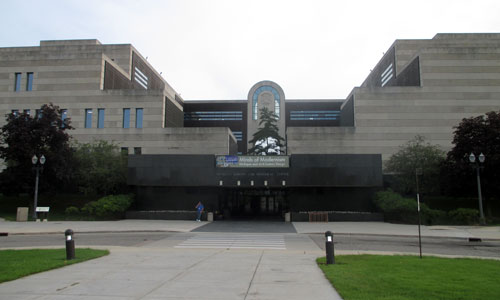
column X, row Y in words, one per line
column 70, row 244
column 330, row 255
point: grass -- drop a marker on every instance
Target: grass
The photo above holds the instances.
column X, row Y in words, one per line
column 375, row 277
column 15, row 264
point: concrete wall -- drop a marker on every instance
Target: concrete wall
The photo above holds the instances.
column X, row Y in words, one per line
column 460, row 78
column 70, row 74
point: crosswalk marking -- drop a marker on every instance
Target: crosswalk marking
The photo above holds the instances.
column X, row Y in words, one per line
column 235, row 241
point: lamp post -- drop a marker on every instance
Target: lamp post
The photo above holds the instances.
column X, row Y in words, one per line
column 38, row 166
column 418, row 171
column 478, row 165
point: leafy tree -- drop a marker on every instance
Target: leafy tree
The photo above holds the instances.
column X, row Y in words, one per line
column 479, row 134
column 24, row 136
column 266, row 140
column 412, row 155
column 101, row 169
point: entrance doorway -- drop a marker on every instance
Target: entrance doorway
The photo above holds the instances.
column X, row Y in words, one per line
column 254, row 204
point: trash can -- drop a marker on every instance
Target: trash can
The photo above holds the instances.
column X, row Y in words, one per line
column 210, row 217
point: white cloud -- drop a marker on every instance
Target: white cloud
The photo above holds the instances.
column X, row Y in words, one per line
column 218, row 49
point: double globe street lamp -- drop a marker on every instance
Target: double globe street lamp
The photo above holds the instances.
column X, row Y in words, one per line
column 477, row 163
column 38, row 166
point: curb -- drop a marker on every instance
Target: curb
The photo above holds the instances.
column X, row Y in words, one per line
column 468, row 238
column 96, row 231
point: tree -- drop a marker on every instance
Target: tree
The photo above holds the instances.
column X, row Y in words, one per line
column 412, row 155
column 479, row 134
column 24, row 136
column 101, row 169
column 266, row 140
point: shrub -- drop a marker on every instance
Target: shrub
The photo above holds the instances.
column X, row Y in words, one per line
column 397, row 208
column 72, row 210
column 466, row 216
column 89, row 208
column 113, row 205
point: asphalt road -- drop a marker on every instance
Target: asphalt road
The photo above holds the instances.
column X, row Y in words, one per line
column 125, row 239
column 447, row 246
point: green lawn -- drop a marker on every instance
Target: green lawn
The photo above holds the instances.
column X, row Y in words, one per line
column 19, row 263
column 409, row 277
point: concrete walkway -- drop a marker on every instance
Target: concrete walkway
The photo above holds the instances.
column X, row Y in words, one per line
column 158, row 270
column 158, row 273
column 366, row 228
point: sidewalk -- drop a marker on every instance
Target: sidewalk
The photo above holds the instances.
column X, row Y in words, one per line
column 99, row 226
column 365, row 228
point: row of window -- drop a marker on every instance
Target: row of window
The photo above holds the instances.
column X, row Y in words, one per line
column 314, row 115
column 213, row 116
column 18, row 78
column 295, row 115
column 238, row 135
column 139, row 112
column 38, row 113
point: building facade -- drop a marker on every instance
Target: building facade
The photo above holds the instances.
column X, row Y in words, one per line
column 111, row 92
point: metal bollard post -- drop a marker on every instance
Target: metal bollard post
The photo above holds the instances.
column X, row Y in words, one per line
column 330, row 254
column 70, row 244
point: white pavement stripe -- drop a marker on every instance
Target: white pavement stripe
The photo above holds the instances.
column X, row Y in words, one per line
column 235, row 242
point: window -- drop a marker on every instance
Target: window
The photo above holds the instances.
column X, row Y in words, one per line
column 140, row 78
column 29, row 82
column 386, row 75
column 38, row 114
column 137, row 150
column 213, row 116
column 17, row 83
column 314, row 115
column 138, row 117
column 100, row 118
column 64, row 115
column 88, row 118
column 15, row 112
column 126, row 118
column 27, row 111
column 124, row 150
column 255, row 104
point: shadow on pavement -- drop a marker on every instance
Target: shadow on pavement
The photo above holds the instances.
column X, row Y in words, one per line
column 247, row 226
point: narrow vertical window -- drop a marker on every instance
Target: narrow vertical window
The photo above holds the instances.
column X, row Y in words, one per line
column 38, row 114
column 15, row 112
column 137, row 150
column 138, row 117
column 126, row 118
column 124, row 150
column 88, row 118
column 29, row 82
column 17, row 83
column 64, row 115
column 100, row 118
column 27, row 111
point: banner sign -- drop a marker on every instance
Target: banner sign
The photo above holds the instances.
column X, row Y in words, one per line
column 257, row 161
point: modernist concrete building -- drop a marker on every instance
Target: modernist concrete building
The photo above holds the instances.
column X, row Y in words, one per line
column 111, row 92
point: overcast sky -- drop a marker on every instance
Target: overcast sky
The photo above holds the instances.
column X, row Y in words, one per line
column 215, row 49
